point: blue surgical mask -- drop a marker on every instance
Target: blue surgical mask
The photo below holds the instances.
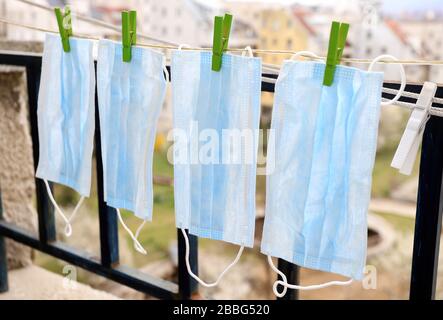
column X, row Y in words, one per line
column 66, row 118
column 324, row 143
column 130, row 97
column 215, row 195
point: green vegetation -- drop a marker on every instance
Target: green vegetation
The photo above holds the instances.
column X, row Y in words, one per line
column 403, row 224
column 384, row 177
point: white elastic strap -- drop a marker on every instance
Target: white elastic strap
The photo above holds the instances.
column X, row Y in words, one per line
column 304, row 54
column 68, row 226
column 208, row 285
column 286, row 285
column 137, row 244
column 180, row 47
column 247, row 50
column 407, row 149
column 402, row 77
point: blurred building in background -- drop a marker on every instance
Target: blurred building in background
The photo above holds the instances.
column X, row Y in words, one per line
column 426, row 34
column 373, row 35
column 24, row 14
column 29, row 15
column 259, row 24
column 189, row 22
column 286, row 30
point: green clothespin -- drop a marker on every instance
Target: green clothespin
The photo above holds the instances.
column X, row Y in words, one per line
column 337, row 42
column 64, row 22
column 129, row 33
column 222, row 29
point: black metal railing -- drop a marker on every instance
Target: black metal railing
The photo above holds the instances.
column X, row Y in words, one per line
column 426, row 237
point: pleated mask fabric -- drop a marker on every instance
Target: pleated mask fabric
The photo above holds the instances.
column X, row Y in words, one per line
column 324, row 144
column 130, row 96
column 215, row 199
column 66, row 115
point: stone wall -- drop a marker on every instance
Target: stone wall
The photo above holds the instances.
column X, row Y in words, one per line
column 27, row 46
column 16, row 162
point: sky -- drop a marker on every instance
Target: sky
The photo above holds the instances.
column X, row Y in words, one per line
column 391, row 6
column 388, row 6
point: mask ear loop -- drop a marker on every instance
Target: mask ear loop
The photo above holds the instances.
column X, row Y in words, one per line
column 286, row 285
column 402, row 77
column 137, row 244
column 68, row 226
column 304, row 54
column 284, row 281
column 185, row 236
column 247, row 50
column 193, row 275
column 183, row 45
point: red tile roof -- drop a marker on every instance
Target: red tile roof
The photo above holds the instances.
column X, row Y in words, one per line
column 300, row 14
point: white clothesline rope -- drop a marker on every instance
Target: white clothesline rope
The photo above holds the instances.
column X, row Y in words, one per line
column 272, row 68
column 432, row 110
column 172, row 45
column 411, row 95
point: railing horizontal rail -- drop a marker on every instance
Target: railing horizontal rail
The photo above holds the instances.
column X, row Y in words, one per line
column 83, row 259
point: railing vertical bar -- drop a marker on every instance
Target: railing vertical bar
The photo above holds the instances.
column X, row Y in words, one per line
column 186, row 284
column 107, row 215
column 429, row 213
column 3, row 258
column 291, row 271
column 45, row 210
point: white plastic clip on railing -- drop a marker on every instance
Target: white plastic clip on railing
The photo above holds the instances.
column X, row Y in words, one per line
column 407, row 149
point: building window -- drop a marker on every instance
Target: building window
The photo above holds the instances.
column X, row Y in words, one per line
column 274, row 41
column 275, row 25
column 289, row 43
column 164, row 12
column 178, row 30
column 164, row 31
column 369, row 35
column 383, row 50
column 289, row 23
column 368, row 51
column 178, row 12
